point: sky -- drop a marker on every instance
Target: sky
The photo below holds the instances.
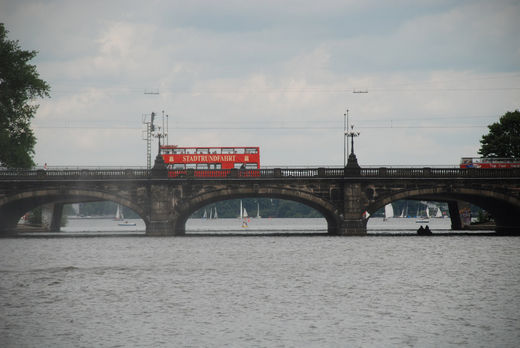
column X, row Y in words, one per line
column 275, row 74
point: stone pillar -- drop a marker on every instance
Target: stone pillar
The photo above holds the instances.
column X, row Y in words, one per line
column 460, row 214
column 353, row 222
column 159, row 225
column 51, row 217
column 354, row 227
column 158, row 228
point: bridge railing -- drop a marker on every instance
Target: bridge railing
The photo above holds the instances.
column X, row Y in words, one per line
column 382, row 172
column 70, row 173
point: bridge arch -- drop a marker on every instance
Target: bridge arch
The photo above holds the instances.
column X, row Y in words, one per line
column 504, row 208
column 13, row 207
column 183, row 211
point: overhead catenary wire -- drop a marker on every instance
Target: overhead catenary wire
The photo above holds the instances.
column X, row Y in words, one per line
column 262, row 128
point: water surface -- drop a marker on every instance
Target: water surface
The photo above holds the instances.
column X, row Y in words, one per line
column 296, row 291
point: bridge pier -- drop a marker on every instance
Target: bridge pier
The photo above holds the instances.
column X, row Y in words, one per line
column 158, row 228
column 354, row 227
column 163, row 220
column 353, row 223
column 459, row 214
column 51, row 216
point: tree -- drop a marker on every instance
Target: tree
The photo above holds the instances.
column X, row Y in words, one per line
column 503, row 139
column 19, row 86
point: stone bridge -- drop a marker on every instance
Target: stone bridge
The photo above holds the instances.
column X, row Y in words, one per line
column 342, row 195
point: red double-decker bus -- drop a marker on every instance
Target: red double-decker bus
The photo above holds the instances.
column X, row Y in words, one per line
column 211, row 161
column 486, row 163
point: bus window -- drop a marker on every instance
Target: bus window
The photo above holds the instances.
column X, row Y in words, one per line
column 239, row 166
column 202, row 166
column 178, row 166
column 251, row 166
column 179, row 151
column 203, row 151
column 214, row 151
column 191, row 151
column 218, row 166
column 239, row 150
column 191, row 166
column 227, row 150
column 251, row 150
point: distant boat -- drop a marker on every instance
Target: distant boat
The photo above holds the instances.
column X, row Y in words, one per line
column 422, row 219
column 119, row 213
column 243, row 211
column 258, row 211
column 389, row 212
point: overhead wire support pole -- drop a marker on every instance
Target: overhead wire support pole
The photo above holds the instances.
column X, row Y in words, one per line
column 345, row 136
column 149, row 131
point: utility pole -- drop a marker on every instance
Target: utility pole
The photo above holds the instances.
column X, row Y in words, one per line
column 167, row 130
column 149, row 130
column 147, row 135
column 345, row 136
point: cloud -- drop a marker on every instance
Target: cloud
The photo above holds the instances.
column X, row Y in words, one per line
column 275, row 75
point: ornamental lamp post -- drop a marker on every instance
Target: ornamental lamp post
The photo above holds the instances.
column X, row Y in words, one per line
column 352, row 160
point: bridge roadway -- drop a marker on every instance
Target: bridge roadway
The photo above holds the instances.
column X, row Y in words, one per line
column 341, row 195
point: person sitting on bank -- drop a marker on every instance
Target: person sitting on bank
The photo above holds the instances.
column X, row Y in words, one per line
column 427, row 230
column 420, row 230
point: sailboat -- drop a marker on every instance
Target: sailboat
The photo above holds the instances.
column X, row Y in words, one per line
column 258, row 211
column 215, row 215
column 205, row 215
column 425, row 218
column 119, row 213
column 243, row 215
column 389, row 212
column 439, row 213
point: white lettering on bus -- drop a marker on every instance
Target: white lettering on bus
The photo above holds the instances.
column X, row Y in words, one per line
column 207, row 158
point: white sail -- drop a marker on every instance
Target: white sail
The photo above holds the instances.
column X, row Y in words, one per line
column 439, row 213
column 258, row 210
column 210, row 213
column 241, row 210
column 215, row 215
column 245, row 213
column 427, row 212
column 119, row 213
column 205, row 215
column 389, row 211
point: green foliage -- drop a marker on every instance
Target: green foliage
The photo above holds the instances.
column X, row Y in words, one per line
column 35, row 216
column 503, row 139
column 19, row 85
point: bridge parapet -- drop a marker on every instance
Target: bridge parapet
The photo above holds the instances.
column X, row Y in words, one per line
column 342, row 196
column 382, row 172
